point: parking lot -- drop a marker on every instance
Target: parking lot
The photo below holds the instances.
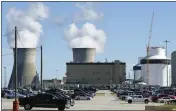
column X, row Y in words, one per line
column 99, row 102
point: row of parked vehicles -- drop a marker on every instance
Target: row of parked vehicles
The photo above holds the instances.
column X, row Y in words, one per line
column 146, row 95
column 52, row 98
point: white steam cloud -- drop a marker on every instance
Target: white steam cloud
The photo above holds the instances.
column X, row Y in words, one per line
column 87, row 12
column 28, row 25
column 86, row 37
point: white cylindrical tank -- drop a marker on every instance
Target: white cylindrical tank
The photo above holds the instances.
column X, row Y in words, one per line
column 156, row 63
column 137, row 71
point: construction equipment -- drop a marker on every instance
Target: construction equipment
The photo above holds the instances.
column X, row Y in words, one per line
column 148, row 47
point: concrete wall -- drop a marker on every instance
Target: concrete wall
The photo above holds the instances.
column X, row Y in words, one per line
column 173, row 67
column 95, row 73
column 26, row 69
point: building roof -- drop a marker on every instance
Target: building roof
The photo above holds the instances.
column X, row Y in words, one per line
column 95, row 63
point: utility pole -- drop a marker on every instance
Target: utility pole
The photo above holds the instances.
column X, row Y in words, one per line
column 5, row 82
column 41, row 68
column 56, row 73
column 134, row 81
column 129, row 79
column 166, row 41
column 15, row 103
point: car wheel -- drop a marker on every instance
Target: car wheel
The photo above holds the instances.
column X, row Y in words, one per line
column 162, row 101
column 129, row 101
column 78, row 98
column 27, row 107
column 61, row 108
column 146, row 101
column 123, row 98
column 88, row 98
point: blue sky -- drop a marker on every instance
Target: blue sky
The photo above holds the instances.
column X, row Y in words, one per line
column 126, row 25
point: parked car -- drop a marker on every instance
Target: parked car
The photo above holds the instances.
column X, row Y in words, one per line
column 83, row 97
column 12, row 95
column 137, row 98
column 125, row 94
column 45, row 100
column 62, row 96
column 164, row 99
column 155, row 98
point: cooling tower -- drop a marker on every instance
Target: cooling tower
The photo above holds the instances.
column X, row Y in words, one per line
column 84, row 55
column 25, row 67
column 173, row 67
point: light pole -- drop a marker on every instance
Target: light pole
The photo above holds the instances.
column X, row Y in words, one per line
column 166, row 41
column 5, row 77
column 56, row 73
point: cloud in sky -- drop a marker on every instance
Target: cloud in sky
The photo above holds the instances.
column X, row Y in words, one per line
column 86, row 13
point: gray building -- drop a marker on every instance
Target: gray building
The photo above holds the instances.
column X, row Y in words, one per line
column 51, row 83
column 83, row 69
column 25, row 66
column 96, row 73
column 173, row 68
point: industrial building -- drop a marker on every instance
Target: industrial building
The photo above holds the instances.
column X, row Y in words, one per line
column 25, row 66
column 137, row 71
column 51, row 82
column 173, row 67
column 84, row 69
column 156, row 68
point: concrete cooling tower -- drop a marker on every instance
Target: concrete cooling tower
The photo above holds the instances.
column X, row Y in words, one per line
column 173, row 67
column 154, row 67
column 26, row 69
column 84, row 55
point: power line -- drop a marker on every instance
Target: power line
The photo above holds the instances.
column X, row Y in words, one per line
column 8, row 33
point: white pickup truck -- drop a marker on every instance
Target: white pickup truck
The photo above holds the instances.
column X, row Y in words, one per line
column 137, row 98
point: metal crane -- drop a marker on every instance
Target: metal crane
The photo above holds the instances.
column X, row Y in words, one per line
column 148, row 46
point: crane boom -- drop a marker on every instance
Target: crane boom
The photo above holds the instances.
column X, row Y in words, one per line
column 148, row 46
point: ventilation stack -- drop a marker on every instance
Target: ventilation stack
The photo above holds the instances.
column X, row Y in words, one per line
column 84, row 55
column 26, row 69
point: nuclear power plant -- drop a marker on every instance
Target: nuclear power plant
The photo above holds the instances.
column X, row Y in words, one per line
column 173, row 67
column 155, row 68
column 25, row 66
column 84, row 69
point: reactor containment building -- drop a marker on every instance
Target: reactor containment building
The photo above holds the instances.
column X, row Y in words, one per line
column 158, row 71
column 84, row 69
column 26, row 69
column 137, row 71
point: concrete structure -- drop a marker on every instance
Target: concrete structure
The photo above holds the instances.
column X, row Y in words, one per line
column 51, row 83
column 64, row 79
column 82, row 55
column 157, row 67
column 25, row 66
column 173, row 67
column 96, row 73
column 137, row 71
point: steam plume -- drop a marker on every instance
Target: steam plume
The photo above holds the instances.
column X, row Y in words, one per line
column 28, row 24
column 87, row 12
column 86, row 37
